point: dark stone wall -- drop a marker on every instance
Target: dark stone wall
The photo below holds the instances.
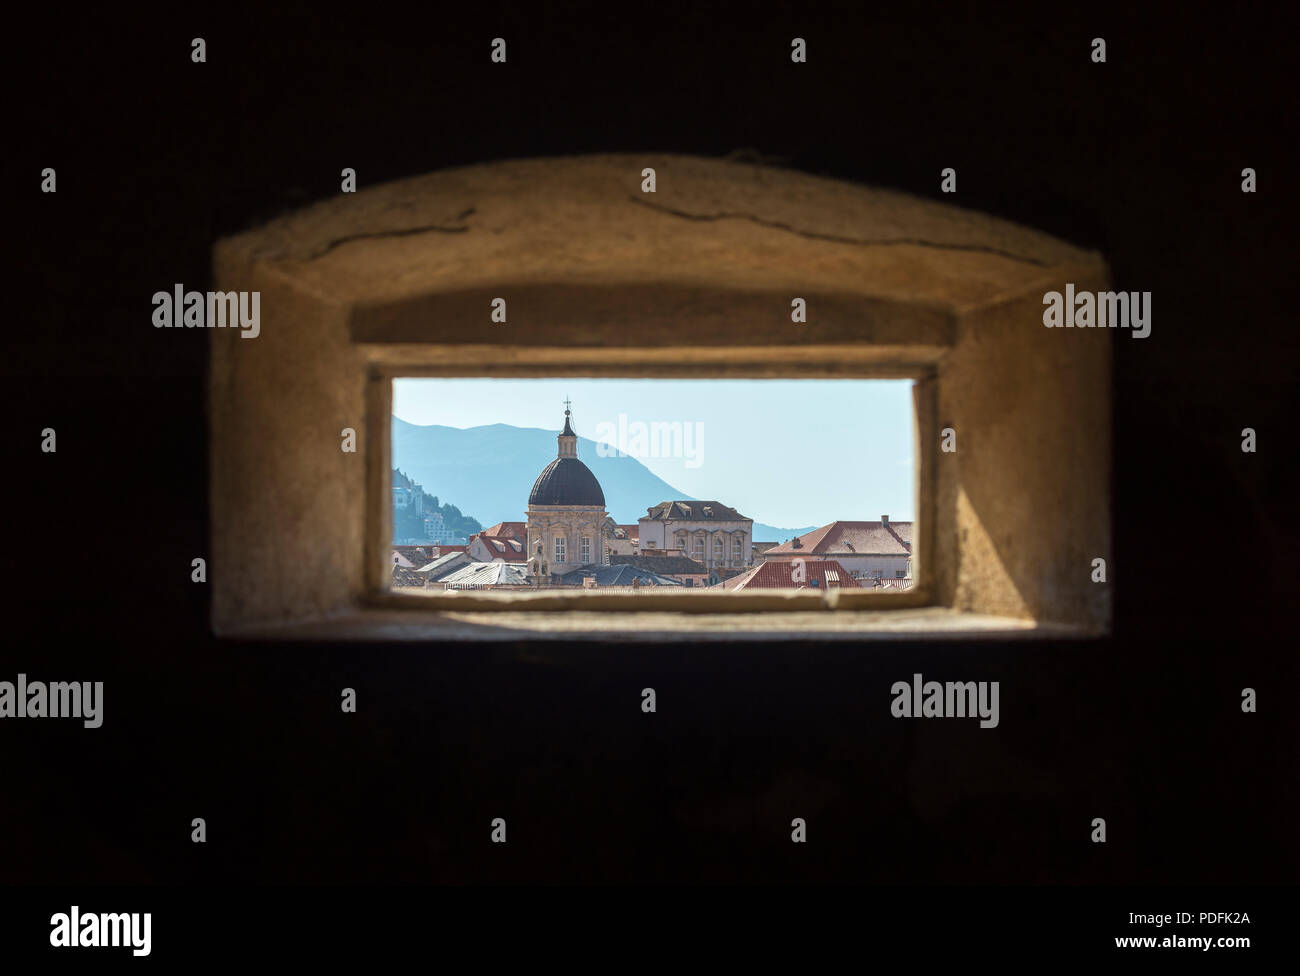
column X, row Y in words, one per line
column 157, row 157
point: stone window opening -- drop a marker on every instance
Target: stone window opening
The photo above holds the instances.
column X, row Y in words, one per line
column 1008, row 522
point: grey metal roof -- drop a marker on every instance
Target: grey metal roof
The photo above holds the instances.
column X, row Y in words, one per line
column 663, row 565
column 621, row 575
column 443, row 565
column 486, row 574
column 696, row 510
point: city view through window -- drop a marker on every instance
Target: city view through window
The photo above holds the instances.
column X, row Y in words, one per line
column 647, row 485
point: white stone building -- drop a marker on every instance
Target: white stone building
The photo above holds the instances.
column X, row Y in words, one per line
column 708, row 532
column 412, row 497
column 435, row 527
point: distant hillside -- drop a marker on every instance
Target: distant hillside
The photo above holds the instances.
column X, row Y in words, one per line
column 488, row 472
column 407, row 524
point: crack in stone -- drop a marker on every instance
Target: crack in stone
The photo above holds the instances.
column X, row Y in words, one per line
column 404, row 232
column 835, row 238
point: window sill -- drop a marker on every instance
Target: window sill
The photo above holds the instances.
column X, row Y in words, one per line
column 383, row 624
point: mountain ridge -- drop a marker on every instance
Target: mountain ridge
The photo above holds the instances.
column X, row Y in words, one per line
column 487, row 472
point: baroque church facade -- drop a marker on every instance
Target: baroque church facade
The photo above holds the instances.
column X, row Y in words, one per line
column 567, row 521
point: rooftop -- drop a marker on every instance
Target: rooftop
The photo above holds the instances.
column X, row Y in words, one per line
column 786, row 575
column 695, row 511
column 485, row 574
column 665, row 565
column 618, row 575
column 850, row 539
column 511, row 530
column 567, row 481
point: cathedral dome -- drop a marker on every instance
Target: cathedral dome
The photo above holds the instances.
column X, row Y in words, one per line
column 567, row 481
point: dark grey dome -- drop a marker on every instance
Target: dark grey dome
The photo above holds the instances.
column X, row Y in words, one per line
column 567, row 481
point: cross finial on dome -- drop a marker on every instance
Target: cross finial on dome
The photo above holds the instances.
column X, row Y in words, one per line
column 568, row 440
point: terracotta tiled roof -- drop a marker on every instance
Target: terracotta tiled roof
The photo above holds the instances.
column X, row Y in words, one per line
column 509, row 548
column 696, row 511
column 779, row 575
column 507, row 530
column 850, row 539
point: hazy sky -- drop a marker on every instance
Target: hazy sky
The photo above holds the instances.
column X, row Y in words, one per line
column 784, row 452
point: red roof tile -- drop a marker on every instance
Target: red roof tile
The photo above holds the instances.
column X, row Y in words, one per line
column 510, row 530
column 509, row 549
column 781, row 575
column 850, row 539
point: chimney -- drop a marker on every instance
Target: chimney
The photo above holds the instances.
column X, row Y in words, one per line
column 884, row 520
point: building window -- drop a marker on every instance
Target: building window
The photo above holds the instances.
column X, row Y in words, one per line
column 586, row 549
column 735, row 547
column 900, row 573
column 877, row 573
column 699, row 548
column 559, row 548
